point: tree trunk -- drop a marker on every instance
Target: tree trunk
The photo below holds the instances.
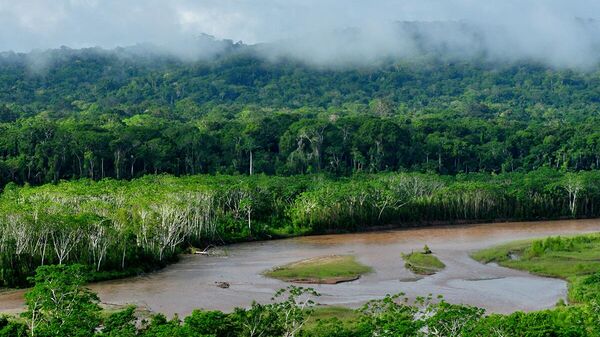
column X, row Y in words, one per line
column 118, row 163
column 251, row 164
column 132, row 165
column 80, row 168
column 123, row 257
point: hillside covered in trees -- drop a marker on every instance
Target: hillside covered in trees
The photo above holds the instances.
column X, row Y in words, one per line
column 144, row 140
column 69, row 114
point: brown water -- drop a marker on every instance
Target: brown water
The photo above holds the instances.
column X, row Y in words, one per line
column 190, row 284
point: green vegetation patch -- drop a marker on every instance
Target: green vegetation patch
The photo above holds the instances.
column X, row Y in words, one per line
column 118, row 228
column 575, row 259
column 502, row 252
column 423, row 263
column 321, row 270
column 324, row 314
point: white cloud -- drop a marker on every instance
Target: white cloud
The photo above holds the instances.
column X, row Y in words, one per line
column 546, row 30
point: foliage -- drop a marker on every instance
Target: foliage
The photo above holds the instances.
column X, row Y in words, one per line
column 120, row 323
column 586, row 288
column 390, row 317
column 209, row 323
column 12, row 328
column 59, row 305
column 119, row 228
column 290, row 150
column 94, row 114
column 331, row 320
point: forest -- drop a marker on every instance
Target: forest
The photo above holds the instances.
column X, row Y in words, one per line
column 114, row 162
column 119, row 228
column 93, row 113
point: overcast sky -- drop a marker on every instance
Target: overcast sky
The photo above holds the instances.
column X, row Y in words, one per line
column 545, row 29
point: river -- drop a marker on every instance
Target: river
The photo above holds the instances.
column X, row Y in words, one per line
column 190, row 284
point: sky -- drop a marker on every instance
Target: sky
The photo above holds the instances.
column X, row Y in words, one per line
column 552, row 31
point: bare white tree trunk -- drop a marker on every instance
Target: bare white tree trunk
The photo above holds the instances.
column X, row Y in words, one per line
column 64, row 240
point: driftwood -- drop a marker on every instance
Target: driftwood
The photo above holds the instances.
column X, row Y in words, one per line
column 205, row 251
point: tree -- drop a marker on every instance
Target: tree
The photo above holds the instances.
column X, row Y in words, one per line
column 257, row 321
column 295, row 309
column 573, row 185
column 10, row 328
column 67, row 230
column 120, row 324
column 60, row 305
column 388, row 317
column 171, row 227
column 210, row 323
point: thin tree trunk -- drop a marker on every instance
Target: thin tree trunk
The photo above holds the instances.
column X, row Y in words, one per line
column 251, row 164
column 123, row 258
column 118, row 163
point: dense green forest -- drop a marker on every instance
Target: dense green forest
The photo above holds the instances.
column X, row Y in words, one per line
column 114, row 162
column 69, row 114
column 119, row 227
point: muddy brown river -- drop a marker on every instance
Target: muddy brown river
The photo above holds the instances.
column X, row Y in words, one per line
column 190, row 284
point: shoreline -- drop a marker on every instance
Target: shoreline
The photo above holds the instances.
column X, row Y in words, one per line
column 371, row 229
column 190, row 284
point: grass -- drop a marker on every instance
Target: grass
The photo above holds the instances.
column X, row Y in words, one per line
column 423, row 263
column 321, row 270
column 346, row 317
column 575, row 259
column 322, row 313
column 501, row 253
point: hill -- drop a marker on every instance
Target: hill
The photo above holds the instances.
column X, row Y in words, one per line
column 123, row 113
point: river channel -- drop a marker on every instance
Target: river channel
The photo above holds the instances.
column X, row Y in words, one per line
column 191, row 283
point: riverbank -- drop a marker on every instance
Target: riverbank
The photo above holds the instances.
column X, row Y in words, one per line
column 191, row 283
column 291, row 311
column 575, row 259
column 220, row 249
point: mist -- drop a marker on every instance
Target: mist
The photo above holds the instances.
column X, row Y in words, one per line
column 326, row 32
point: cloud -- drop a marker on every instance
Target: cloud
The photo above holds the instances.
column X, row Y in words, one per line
column 558, row 32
